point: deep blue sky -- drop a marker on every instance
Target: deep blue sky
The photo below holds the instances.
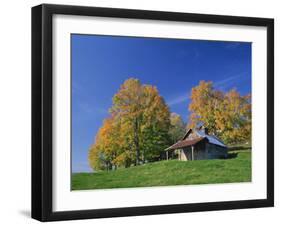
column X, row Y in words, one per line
column 100, row 64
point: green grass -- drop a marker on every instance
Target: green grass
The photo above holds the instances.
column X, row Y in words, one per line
column 172, row 172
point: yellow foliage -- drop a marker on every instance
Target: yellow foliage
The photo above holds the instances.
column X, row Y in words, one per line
column 122, row 139
column 227, row 115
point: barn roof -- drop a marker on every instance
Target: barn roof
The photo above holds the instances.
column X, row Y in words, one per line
column 185, row 143
column 211, row 138
column 201, row 136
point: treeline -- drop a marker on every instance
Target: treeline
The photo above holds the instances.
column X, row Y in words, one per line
column 140, row 125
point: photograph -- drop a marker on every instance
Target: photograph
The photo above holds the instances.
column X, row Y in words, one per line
column 151, row 112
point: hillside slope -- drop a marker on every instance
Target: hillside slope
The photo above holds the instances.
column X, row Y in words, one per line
column 172, row 172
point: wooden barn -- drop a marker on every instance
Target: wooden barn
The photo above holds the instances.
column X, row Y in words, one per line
column 197, row 144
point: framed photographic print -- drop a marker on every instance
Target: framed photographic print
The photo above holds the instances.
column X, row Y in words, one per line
column 145, row 112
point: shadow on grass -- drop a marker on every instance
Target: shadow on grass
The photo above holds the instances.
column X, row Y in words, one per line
column 238, row 148
column 231, row 155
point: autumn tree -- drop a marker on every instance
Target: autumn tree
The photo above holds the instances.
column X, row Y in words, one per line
column 128, row 108
column 227, row 115
column 234, row 122
column 96, row 158
column 205, row 102
column 145, row 116
column 154, row 137
column 137, row 129
column 105, row 149
column 177, row 127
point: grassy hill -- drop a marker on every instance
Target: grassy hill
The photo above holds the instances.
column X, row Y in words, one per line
column 172, row 172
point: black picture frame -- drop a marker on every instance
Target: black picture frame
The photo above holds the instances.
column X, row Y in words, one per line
column 42, row 111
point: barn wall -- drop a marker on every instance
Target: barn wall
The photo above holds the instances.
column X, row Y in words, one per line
column 182, row 154
column 199, row 152
column 203, row 151
column 186, row 154
column 215, row 151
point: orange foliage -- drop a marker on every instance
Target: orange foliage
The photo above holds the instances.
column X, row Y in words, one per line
column 227, row 115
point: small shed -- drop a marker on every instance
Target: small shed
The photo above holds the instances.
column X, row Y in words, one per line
column 197, row 144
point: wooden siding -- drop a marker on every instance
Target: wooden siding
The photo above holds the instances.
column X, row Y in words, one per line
column 203, row 150
column 215, row 151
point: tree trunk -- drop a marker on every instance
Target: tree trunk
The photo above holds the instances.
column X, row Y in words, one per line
column 143, row 157
column 110, row 166
column 136, row 141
